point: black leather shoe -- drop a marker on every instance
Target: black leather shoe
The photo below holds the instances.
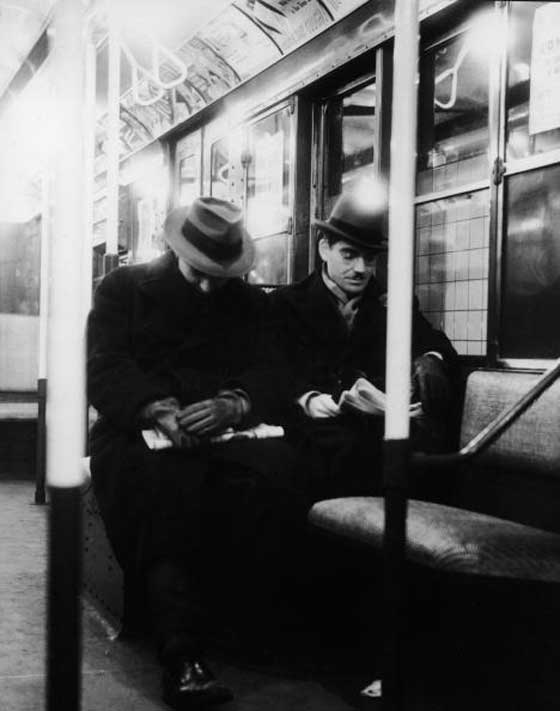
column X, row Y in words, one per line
column 189, row 684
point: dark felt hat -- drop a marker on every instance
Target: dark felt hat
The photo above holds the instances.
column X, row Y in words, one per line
column 359, row 216
column 209, row 235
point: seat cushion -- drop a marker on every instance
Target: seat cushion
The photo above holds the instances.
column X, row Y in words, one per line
column 449, row 539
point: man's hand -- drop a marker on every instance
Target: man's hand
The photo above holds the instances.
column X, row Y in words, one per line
column 434, row 388
column 321, row 406
column 162, row 414
column 211, row 416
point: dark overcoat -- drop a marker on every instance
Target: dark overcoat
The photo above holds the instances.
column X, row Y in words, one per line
column 152, row 335
column 324, row 355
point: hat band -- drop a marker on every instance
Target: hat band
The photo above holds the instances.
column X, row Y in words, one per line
column 358, row 233
column 219, row 251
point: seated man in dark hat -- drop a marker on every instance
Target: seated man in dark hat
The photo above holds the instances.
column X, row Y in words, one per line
column 331, row 329
column 178, row 344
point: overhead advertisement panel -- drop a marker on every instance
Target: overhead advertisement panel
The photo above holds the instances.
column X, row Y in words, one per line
column 244, row 39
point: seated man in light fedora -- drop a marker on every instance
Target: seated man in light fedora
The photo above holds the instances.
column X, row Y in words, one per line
column 332, row 330
column 179, row 344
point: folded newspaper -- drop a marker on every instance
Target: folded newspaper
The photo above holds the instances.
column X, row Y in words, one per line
column 157, row 440
column 365, row 397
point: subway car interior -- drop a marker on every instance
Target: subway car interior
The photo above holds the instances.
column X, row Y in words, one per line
column 441, row 591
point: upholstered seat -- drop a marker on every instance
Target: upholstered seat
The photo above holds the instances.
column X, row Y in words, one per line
column 450, row 539
column 517, row 480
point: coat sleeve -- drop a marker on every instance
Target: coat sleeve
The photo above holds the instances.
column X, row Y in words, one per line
column 117, row 387
column 291, row 359
column 426, row 338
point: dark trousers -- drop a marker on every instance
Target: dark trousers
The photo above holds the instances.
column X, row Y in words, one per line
column 225, row 524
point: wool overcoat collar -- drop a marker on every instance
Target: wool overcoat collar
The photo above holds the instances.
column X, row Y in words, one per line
column 314, row 303
column 163, row 283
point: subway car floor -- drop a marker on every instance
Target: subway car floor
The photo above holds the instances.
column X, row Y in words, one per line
column 115, row 674
column 510, row 662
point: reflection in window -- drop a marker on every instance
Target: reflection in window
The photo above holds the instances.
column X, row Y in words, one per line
column 349, row 141
column 533, row 105
column 219, row 169
column 268, row 175
column 143, row 205
column 531, row 275
column 452, row 267
column 188, row 163
column 453, row 126
column 268, row 161
column 270, row 261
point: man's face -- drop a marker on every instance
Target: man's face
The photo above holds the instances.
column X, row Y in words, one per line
column 205, row 283
column 348, row 265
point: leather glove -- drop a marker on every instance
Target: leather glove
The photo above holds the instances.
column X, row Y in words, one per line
column 212, row 416
column 432, row 383
column 162, row 414
column 321, row 406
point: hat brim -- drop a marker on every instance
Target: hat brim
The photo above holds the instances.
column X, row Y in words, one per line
column 239, row 266
column 326, row 227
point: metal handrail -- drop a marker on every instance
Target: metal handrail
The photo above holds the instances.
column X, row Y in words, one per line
column 480, row 442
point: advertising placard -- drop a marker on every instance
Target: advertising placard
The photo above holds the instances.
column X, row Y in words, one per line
column 544, row 101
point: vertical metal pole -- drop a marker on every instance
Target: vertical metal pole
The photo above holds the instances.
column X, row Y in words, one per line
column 65, row 363
column 113, row 130
column 399, row 327
column 40, row 451
column 89, row 169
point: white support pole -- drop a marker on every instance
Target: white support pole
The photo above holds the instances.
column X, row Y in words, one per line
column 41, row 450
column 113, row 131
column 44, row 272
column 89, row 120
column 65, row 361
column 401, row 219
column 399, row 328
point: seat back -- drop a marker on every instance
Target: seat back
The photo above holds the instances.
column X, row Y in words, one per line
column 532, row 443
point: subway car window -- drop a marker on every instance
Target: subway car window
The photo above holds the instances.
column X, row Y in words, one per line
column 531, row 293
column 348, row 141
column 533, row 80
column 219, row 168
column 188, row 162
column 453, row 130
column 20, row 255
column 146, row 196
column 268, row 161
column 530, row 275
column 452, row 231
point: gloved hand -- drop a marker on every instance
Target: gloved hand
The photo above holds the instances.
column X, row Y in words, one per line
column 433, row 385
column 212, row 416
column 162, row 414
column 321, row 406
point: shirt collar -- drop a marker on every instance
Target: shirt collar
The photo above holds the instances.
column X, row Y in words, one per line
column 340, row 295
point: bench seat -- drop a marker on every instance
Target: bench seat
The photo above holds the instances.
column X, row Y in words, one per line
column 501, row 517
column 12, row 411
column 449, row 539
